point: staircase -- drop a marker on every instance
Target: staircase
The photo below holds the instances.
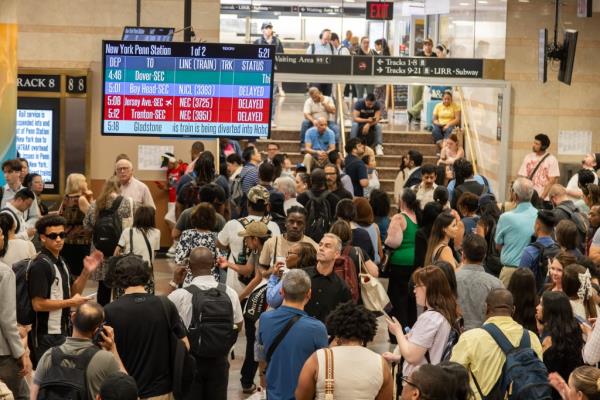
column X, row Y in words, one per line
column 397, row 141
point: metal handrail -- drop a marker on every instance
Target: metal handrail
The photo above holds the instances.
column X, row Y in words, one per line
column 464, row 122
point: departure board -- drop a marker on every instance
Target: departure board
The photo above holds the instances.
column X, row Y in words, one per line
column 187, row 89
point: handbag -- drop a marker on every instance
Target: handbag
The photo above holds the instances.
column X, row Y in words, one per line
column 372, row 292
column 183, row 364
column 329, row 379
column 256, row 303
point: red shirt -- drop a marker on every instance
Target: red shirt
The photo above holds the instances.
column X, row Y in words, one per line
column 173, row 176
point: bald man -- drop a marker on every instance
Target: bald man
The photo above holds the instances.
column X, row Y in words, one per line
column 477, row 350
column 130, row 186
column 212, row 374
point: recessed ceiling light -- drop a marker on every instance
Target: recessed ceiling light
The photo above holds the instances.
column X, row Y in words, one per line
column 464, row 4
column 482, row 1
column 349, row 1
column 523, row 1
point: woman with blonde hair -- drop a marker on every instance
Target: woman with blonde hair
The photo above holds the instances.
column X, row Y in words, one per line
column 73, row 208
column 109, row 200
column 583, row 384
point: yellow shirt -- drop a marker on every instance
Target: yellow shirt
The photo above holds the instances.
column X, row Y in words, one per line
column 477, row 350
column 446, row 114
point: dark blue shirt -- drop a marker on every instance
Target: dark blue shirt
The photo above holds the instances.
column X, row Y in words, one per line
column 356, row 169
column 304, row 338
column 529, row 258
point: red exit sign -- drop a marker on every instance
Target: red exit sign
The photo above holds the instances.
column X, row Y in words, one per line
column 379, row 10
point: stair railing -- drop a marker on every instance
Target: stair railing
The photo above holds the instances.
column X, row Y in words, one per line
column 469, row 136
column 340, row 114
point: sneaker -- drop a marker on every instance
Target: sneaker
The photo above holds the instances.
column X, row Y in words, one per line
column 379, row 150
column 171, row 251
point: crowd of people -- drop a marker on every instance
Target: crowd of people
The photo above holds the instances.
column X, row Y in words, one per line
column 285, row 257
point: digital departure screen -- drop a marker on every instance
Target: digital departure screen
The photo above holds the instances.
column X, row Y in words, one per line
column 187, row 89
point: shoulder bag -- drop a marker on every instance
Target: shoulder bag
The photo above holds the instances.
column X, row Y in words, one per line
column 538, row 165
column 372, row 292
column 329, row 379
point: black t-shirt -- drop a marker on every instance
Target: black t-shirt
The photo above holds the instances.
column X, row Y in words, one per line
column 142, row 335
column 342, row 193
column 356, row 169
column 364, row 111
column 44, row 282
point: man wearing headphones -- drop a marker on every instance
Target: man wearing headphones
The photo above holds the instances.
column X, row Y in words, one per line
column 540, row 167
column 323, row 46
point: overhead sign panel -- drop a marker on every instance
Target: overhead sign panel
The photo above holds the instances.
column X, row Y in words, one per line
column 187, row 89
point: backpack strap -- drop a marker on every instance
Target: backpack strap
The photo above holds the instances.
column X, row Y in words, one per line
column 501, row 340
column 476, row 384
column 116, row 203
column 280, row 336
column 148, row 247
column 131, row 240
column 539, row 164
column 525, row 340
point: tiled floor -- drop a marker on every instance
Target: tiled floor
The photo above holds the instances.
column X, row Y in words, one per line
column 163, row 269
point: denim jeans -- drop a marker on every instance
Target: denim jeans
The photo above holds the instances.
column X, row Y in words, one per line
column 377, row 137
column 250, row 366
column 439, row 134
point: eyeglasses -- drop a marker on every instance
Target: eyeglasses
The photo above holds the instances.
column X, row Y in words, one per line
column 123, row 169
column 405, row 380
column 54, row 235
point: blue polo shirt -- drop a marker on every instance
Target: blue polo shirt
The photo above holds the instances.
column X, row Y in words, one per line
column 318, row 141
column 514, row 231
column 304, row 338
column 529, row 259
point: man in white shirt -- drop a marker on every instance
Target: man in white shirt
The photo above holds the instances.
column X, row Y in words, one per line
column 318, row 106
column 130, row 186
column 590, row 163
column 424, row 190
column 287, row 186
column 228, row 238
column 12, row 176
column 16, row 208
column 212, row 374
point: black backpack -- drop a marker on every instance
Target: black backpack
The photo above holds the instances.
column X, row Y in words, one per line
column 492, row 263
column 524, row 376
column 107, row 229
column 580, row 220
column 25, row 312
column 318, row 215
column 66, row 378
column 545, row 253
column 189, row 195
column 212, row 331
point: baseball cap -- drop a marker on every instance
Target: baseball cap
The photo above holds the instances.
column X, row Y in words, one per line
column 255, row 228
column 300, row 167
column 257, row 193
column 266, row 24
column 486, row 199
column 119, row 386
column 167, row 158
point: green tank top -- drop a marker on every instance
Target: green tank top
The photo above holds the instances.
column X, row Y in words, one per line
column 405, row 254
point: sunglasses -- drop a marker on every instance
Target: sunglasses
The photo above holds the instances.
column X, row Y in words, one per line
column 54, row 235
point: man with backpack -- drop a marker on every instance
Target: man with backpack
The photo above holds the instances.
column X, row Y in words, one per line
column 564, row 208
column 143, row 323
column 289, row 336
column 322, row 46
column 51, row 290
column 484, row 353
column 544, row 248
column 212, row 314
column 319, row 204
column 328, row 289
column 77, row 368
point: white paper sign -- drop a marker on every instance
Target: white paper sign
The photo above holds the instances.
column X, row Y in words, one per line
column 574, row 142
column 149, row 156
column 437, row 7
column 34, row 140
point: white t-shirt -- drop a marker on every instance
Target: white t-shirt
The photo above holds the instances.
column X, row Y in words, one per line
column 229, row 237
column 317, row 110
column 431, row 332
column 139, row 244
column 574, row 181
column 17, row 250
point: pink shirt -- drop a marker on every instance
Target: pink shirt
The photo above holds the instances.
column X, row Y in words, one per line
column 548, row 169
